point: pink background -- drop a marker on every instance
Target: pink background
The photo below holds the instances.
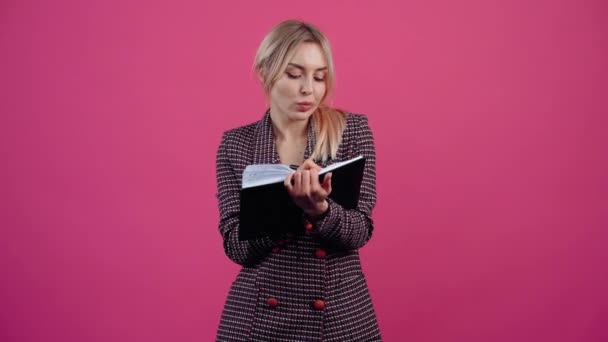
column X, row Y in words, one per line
column 490, row 120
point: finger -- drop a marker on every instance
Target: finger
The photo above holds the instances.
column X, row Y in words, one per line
column 298, row 181
column 309, row 165
column 327, row 183
column 306, row 183
column 315, row 186
column 320, row 192
column 288, row 181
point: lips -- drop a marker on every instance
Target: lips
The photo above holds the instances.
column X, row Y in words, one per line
column 304, row 106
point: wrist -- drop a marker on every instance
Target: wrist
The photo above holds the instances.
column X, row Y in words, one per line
column 318, row 211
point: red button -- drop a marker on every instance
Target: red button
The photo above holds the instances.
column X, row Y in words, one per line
column 308, row 226
column 319, row 304
column 275, row 250
column 272, row 302
column 321, row 253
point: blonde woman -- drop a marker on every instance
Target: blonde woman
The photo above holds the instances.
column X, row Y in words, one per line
column 308, row 286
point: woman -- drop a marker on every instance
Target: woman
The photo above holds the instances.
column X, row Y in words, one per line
column 307, row 287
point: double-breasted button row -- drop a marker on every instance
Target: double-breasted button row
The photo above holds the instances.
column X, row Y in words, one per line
column 280, row 243
column 317, row 304
column 320, row 252
column 272, row 302
column 308, row 226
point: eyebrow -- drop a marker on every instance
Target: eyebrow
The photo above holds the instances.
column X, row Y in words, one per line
column 303, row 68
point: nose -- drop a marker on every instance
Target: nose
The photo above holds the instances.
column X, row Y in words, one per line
column 306, row 86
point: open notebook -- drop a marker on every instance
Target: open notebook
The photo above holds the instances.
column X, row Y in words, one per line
column 266, row 209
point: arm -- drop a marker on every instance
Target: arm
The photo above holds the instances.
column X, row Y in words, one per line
column 228, row 193
column 353, row 228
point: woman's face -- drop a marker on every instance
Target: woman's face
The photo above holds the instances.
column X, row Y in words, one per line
column 299, row 90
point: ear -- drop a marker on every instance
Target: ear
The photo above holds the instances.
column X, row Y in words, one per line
column 260, row 76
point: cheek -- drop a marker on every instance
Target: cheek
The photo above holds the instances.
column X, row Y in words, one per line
column 320, row 90
column 280, row 90
column 288, row 90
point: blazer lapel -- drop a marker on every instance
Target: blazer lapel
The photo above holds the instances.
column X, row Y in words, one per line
column 311, row 139
column 264, row 151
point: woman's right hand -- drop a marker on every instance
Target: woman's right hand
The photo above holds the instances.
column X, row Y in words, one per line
column 304, row 187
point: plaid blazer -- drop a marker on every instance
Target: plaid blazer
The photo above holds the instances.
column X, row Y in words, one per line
column 308, row 287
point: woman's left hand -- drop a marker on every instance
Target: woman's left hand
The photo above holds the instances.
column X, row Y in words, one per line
column 306, row 191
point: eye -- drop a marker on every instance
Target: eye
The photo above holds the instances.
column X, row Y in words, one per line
column 319, row 79
column 292, row 76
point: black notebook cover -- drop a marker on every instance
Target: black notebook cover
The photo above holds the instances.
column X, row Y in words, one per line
column 268, row 210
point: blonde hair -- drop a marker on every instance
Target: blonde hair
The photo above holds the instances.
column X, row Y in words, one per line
column 271, row 59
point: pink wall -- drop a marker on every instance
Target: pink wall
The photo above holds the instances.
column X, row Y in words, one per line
column 490, row 121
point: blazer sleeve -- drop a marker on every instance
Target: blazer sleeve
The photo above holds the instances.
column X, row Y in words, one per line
column 246, row 252
column 352, row 229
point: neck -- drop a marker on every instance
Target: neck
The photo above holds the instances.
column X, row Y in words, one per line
column 285, row 129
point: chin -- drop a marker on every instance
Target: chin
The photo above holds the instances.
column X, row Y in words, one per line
column 297, row 115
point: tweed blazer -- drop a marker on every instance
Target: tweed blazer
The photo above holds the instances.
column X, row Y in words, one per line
column 306, row 287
